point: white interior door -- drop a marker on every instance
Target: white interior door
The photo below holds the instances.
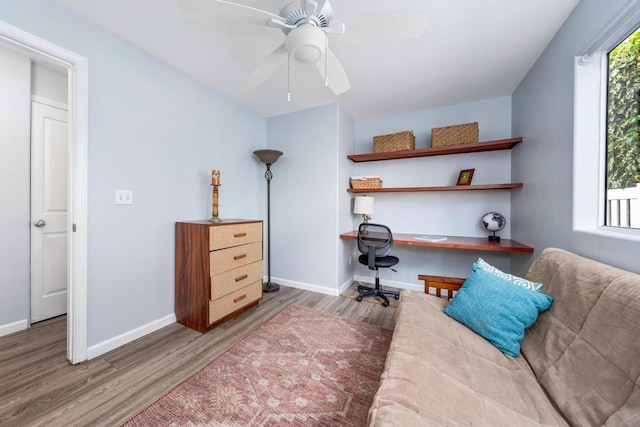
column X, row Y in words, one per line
column 49, row 142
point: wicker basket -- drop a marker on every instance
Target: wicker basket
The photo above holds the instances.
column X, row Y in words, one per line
column 394, row 142
column 455, row 135
column 366, row 182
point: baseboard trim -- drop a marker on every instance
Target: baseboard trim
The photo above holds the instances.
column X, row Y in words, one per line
column 392, row 283
column 10, row 328
column 306, row 286
column 344, row 286
column 132, row 335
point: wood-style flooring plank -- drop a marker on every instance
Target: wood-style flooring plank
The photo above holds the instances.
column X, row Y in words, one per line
column 39, row 387
column 106, row 404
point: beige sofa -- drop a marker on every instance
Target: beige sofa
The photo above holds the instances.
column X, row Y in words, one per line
column 579, row 363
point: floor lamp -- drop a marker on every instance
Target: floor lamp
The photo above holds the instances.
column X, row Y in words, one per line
column 268, row 157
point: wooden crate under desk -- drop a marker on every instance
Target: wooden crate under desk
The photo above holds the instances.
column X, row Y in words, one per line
column 440, row 283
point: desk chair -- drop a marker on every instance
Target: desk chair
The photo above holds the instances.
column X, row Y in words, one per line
column 375, row 242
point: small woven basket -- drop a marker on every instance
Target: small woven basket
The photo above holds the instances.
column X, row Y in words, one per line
column 454, row 135
column 394, row 142
column 360, row 182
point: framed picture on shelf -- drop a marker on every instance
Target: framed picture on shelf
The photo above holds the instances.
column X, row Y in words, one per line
column 465, row 176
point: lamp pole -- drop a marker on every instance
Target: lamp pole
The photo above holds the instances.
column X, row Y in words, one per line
column 268, row 157
column 268, row 286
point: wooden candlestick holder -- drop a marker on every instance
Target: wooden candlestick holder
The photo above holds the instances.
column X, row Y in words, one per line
column 214, row 207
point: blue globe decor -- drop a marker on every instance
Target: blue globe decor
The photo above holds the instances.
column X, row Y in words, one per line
column 492, row 222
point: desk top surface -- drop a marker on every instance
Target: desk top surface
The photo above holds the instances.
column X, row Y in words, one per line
column 454, row 242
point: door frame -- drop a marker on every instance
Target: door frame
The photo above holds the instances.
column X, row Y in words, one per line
column 77, row 241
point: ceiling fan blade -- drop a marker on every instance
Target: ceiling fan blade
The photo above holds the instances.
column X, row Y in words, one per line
column 280, row 23
column 334, row 29
column 386, row 25
column 268, row 66
column 213, row 6
column 321, row 5
column 309, row 6
column 336, row 78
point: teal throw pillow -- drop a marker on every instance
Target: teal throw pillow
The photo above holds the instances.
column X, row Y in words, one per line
column 497, row 310
column 519, row 281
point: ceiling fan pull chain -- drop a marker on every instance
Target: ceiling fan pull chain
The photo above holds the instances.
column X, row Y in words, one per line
column 326, row 66
column 288, row 78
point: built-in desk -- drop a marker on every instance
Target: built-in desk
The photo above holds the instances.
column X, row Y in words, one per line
column 454, row 242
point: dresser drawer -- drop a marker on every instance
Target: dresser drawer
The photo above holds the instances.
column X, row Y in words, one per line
column 234, row 301
column 227, row 259
column 225, row 236
column 232, row 280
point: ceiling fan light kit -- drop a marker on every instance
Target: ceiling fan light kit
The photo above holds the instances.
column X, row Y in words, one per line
column 306, row 44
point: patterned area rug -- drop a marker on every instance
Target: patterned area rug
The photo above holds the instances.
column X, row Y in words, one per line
column 352, row 292
column 302, row 368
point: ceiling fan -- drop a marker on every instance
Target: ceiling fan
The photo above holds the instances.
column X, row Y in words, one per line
column 306, row 25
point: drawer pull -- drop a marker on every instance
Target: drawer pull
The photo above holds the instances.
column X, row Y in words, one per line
column 240, row 298
column 244, row 276
column 239, row 234
column 237, row 257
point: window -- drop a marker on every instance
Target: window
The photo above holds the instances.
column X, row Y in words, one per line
column 606, row 129
column 622, row 177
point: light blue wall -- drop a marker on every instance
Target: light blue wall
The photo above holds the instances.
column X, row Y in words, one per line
column 310, row 201
column 449, row 213
column 346, row 146
column 543, row 113
column 15, row 128
column 157, row 132
column 304, row 229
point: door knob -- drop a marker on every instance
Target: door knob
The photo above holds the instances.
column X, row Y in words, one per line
column 40, row 223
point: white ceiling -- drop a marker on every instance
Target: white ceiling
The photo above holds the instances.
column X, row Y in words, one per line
column 470, row 50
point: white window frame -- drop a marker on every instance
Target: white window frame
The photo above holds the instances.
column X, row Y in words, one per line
column 590, row 129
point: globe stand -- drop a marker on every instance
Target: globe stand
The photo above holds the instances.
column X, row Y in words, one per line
column 492, row 222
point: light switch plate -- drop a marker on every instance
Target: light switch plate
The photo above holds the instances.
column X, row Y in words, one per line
column 124, row 197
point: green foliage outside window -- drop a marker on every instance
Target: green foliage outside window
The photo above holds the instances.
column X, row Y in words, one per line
column 623, row 137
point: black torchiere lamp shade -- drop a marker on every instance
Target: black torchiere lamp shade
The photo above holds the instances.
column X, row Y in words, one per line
column 268, row 157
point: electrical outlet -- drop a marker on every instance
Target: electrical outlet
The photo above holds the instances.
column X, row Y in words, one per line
column 124, row 197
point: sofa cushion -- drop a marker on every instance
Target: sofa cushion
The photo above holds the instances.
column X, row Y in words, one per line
column 496, row 309
column 439, row 372
column 585, row 349
column 519, row 281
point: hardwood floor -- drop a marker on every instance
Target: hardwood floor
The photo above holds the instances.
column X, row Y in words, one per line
column 38, row 386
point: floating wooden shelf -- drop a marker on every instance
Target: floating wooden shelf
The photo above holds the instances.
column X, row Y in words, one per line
column 507, row 186
column 451, row 242
column 501, row 144
column 454, row 242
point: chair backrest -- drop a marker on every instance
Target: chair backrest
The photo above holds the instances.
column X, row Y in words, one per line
column 374, row 237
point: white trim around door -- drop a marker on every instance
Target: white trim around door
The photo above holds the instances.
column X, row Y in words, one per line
column 78, row 87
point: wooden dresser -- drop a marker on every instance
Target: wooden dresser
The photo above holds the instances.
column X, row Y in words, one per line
column 218, row 270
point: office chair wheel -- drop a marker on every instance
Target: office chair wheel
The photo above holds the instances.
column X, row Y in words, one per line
column 385, row 304
column 359, row 298
column 396, row 297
